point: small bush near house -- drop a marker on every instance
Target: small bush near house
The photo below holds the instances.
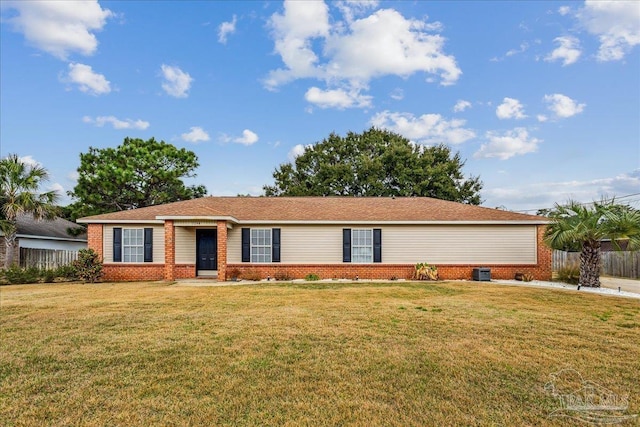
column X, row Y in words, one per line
column 88, row 266
column 234, row 274
column 66, row 272
column 425, row 271
column 569, row 274
column 252, row 274
column 16, row 275
column 282, row 277
column 311, row 277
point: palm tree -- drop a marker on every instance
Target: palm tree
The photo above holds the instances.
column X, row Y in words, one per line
column 575, row 224
column 19, row 184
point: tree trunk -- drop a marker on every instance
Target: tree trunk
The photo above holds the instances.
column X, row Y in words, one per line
column 590, row 264
column 10, row 243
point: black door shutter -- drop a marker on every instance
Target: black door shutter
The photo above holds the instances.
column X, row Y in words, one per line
column 148, row 245
column 246, row 245
column 117, row 245
column 377, row 245
column 346, row 245
column 275, row 245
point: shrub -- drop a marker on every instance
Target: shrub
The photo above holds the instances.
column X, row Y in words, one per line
column 282, row 277
column 569, row 274
column 66, row 272
column 311, row 277
column 235, row 273
column 88, row 266
column 425, row 271
column 16, row 275
column 251, row 274
column 49, row 275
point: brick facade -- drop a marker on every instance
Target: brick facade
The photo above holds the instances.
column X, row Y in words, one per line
column 169, row 250
column 222, row 250
column 170, row 271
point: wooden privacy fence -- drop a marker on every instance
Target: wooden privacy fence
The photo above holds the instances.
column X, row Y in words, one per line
column 46, row 258
column 617, row 263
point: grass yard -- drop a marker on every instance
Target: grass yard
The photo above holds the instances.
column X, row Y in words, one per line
column 471, row 354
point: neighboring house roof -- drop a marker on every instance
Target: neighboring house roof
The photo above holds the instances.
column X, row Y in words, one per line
column 43, row 229
column 319, row 210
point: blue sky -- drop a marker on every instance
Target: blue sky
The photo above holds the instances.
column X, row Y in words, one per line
column 542, row 99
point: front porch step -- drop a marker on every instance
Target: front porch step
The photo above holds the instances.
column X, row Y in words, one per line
column 206, row 274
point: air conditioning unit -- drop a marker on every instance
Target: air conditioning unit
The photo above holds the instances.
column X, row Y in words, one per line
column 482, row 274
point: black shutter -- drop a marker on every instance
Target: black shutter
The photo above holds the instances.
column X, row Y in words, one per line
column 346, row 245
column 377, row 245
column 117, row 245
column 148, row 245
column 275, row 245
column 246, row 245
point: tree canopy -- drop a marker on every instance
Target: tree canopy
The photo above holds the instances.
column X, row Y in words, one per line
column 375, row 163
column 585, row 226
column 19, row 194
column 135, row 174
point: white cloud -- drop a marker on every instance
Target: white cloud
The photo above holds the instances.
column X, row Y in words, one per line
column 87, row 80
column 100, row 121
column 510, row 109
column 57, row 187
column 426, row 129
column 542, row 118
column 348, row 54
column 563, row 106
column 352, row 8
column 461, row 105
column 225, row 29
column 537, row 195
column 337, row 98
column 176, row 82
column 59, row 27
column 248, row 138
column 297, row 151
column 564, row 10
column 73, row 176
column 397, row 94
column 615, row 23
column 30, row 161
column 521, row 49
column 511, row 143
column 196, row 134
column 568, row 50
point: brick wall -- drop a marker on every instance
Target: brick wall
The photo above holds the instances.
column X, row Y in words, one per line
column 184, row 271
column 169, row 250
column 384, row 271
column 222, row 250
column 94, row 239
column 133, row 272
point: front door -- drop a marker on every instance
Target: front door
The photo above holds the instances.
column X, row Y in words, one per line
column 207, row 249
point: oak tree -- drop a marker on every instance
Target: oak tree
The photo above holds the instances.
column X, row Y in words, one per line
column 375, row 163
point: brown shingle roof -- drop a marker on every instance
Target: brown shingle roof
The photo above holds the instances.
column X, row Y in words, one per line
column 305, row 209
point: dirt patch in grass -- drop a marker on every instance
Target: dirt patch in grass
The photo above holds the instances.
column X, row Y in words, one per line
column 313, row 354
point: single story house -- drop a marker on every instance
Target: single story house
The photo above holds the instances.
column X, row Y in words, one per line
column 332, row 237
column 43, row 234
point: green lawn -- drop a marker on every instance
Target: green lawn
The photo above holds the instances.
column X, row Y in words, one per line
column 456, row 353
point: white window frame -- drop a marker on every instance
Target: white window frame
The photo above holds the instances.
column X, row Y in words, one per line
column 359, row 244
column 261, row 244
column 131, row 257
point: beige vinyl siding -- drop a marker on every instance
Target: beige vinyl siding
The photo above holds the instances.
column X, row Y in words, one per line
column 234, row 245
column 410, row 244
column 459, row 244
column 158, row 241
column 185, row 245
